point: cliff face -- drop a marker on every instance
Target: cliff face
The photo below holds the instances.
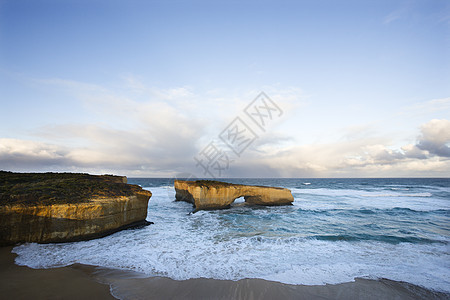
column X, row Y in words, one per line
column 214, row 195
column 44, row 221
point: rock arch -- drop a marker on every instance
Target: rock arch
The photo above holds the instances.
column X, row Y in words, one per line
column 208, row 194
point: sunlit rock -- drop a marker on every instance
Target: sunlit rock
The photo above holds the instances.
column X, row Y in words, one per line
column 207, row 194
column 67, row 207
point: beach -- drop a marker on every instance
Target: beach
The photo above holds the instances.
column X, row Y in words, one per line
column 80, row 281
column 17, row 282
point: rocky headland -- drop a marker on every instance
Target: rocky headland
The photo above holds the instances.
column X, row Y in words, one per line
column 208, row 194
column 63, row 207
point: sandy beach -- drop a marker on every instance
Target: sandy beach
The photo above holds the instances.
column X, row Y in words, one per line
column 18, row 282
column 81, row 282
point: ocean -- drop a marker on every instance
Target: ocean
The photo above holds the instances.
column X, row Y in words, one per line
column 336, row 230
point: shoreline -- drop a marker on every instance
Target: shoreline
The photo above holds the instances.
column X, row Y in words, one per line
column 20, row 282
column 79, row 281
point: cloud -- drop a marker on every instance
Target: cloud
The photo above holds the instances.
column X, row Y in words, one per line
column 159, row 133
column 134, row 84
column 414, row 11
column 403, row 11
column 393, row 16
column 412, row 151
column 429, row 107
column 72, row 86
column 154, row 137
column 15, row 152
column 356, row 154
column 435, row 138
column 102, row 149
column 136, row 153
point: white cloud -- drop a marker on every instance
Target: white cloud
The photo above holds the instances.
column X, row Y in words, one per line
column 72, row 86
column 159, row 135
column 412, row 151
column 153, row 136
column 135, row 84
column 393, row 16
column 435, row 137
column 136, row 153
column 18, row 153
column 358, row 155
column 430, row 106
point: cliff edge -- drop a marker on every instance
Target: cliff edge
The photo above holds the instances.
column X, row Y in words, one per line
column 207, row 194
column 64, row 207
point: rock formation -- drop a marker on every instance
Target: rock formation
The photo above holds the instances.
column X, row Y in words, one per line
column 206, row 194
column 37, row 210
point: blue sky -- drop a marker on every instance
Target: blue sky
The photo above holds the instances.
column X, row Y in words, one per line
column 141, row 87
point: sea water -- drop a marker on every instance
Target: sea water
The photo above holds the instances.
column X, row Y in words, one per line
column 336, row 230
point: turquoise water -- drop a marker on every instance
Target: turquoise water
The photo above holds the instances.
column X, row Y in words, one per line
column 337, row 229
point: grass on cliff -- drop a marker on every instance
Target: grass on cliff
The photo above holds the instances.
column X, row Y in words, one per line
column 212, row 183
column 54, row 188
column 219, row 184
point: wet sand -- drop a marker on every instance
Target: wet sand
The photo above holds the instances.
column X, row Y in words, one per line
column 166, row 288
column 18, row 282
column 89, row 282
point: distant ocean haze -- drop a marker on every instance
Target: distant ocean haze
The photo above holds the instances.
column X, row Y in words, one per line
column 337, row 229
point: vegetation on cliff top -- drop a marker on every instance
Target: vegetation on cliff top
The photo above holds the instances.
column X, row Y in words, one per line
column 55, row 188
column 220, row 184
column 212, row 183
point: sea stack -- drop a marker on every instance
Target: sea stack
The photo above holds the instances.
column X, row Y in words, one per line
column 208, row 194
column 64, row 207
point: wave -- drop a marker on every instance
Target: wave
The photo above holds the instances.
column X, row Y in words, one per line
column 356, row 193
column 313, row 261
column 158, row 187
column 390, row 239
column 397, row 195
column 323, row 198
column 374, row 211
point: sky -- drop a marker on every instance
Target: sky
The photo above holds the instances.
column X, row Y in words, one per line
column 158, row 88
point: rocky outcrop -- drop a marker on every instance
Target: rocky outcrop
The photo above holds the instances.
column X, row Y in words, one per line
column 206, row 194
column 64, row 221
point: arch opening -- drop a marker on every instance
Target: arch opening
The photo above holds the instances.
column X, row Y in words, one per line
column 239, row 201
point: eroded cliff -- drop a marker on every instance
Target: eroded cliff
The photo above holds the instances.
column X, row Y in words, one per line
column 67, row 207
column 205, row 194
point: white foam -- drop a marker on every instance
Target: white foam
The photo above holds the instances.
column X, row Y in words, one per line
column 349, row 192
column 323, row 198
column 396, row 195
column 293, row 262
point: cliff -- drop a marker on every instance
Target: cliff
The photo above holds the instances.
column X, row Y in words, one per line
column 206, row 194
column 64, row 207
